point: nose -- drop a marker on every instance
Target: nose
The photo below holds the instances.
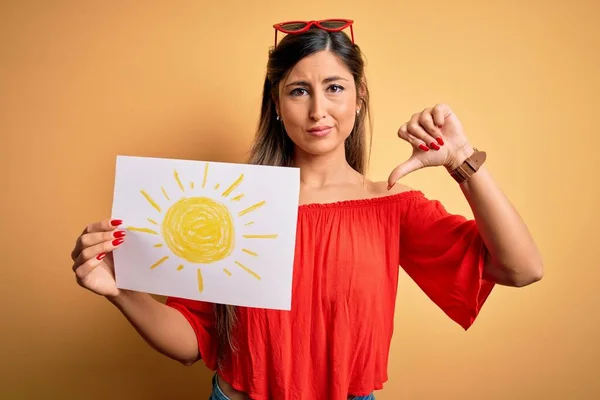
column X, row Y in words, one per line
column 318, row 107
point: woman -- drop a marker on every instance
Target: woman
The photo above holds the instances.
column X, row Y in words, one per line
column 352, row 236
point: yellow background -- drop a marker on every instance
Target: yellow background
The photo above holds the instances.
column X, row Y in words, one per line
column 83, row 81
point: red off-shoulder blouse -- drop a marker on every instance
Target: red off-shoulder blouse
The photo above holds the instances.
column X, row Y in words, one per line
column 335, row 340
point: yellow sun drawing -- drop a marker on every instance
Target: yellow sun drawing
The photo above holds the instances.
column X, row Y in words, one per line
column 199, row 229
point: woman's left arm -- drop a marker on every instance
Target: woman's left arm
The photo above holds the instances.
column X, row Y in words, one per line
column 513, row 257
column 438, row 139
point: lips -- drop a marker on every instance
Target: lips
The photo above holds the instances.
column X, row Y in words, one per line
column 320, row 130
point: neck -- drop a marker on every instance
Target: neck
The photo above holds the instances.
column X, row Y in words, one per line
column 324, row 170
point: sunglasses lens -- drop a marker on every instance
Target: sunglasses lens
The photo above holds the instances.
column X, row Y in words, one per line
column 293, row 26
column 333, row 24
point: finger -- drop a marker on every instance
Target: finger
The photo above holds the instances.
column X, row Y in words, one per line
column 108, row 225
column 439, row 114
column 92, row 239
column 410, row 165
column 403, row 134
column 93, row 251
column 426, row 121
column 415, row 129
column 84, row 269
column 104, row 225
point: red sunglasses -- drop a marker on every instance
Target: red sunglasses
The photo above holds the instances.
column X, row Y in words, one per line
column 329, row 25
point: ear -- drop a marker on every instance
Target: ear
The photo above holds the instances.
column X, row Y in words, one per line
column 361, row 93
column 276, row 102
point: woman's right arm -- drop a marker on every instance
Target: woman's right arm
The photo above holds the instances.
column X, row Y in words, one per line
column 163, row 327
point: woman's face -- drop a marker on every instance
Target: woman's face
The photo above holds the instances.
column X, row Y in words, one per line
column 318, row 104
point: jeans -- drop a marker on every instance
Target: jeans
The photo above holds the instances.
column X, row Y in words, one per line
column 217, row 393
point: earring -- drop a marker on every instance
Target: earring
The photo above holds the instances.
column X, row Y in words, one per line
column 357, row 111
column 278, row 117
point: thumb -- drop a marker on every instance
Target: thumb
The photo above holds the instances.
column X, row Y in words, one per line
column 408, row 166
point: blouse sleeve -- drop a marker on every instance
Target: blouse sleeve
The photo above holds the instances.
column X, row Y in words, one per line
column 201, row 316
column 444, row 254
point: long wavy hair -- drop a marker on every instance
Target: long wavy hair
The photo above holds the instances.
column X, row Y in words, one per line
column 272, row 146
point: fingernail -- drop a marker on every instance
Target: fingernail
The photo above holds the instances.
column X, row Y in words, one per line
column 434, row 145
column 117, row 242
column 100, row 256
column 391, row 186
column 116, row 222
column 423, row 147
column 119, row 234
column 440, row 140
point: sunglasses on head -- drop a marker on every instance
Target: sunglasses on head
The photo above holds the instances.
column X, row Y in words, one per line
column 329, row 25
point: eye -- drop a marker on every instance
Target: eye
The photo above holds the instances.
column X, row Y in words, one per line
column 336, row 88
column 298, row 92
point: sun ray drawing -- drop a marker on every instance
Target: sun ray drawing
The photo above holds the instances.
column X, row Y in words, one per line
column 233, row 186
column 205, row 175
column 252, row 208
column 250, row 252
column 193, row 228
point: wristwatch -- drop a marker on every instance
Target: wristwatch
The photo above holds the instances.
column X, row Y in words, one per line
column 469, row 167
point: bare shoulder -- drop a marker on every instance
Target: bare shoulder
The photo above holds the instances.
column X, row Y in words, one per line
column 379, row 189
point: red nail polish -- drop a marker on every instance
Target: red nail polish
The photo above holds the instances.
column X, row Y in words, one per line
column 116, row 222
column 100, row 256
column 434, row 145
column 440, row 141
column 119, row 234
column 423, row 147
column 117, row 242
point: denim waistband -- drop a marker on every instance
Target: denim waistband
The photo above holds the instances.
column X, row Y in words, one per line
column 217, row 393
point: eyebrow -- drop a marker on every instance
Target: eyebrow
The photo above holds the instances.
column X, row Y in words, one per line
column 326, row 80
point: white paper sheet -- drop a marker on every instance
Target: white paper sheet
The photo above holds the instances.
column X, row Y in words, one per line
column 216, row 232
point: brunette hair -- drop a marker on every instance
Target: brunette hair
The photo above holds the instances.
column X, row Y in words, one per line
column 272, row 146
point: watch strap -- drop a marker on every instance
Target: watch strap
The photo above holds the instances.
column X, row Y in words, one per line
column 469, row 166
